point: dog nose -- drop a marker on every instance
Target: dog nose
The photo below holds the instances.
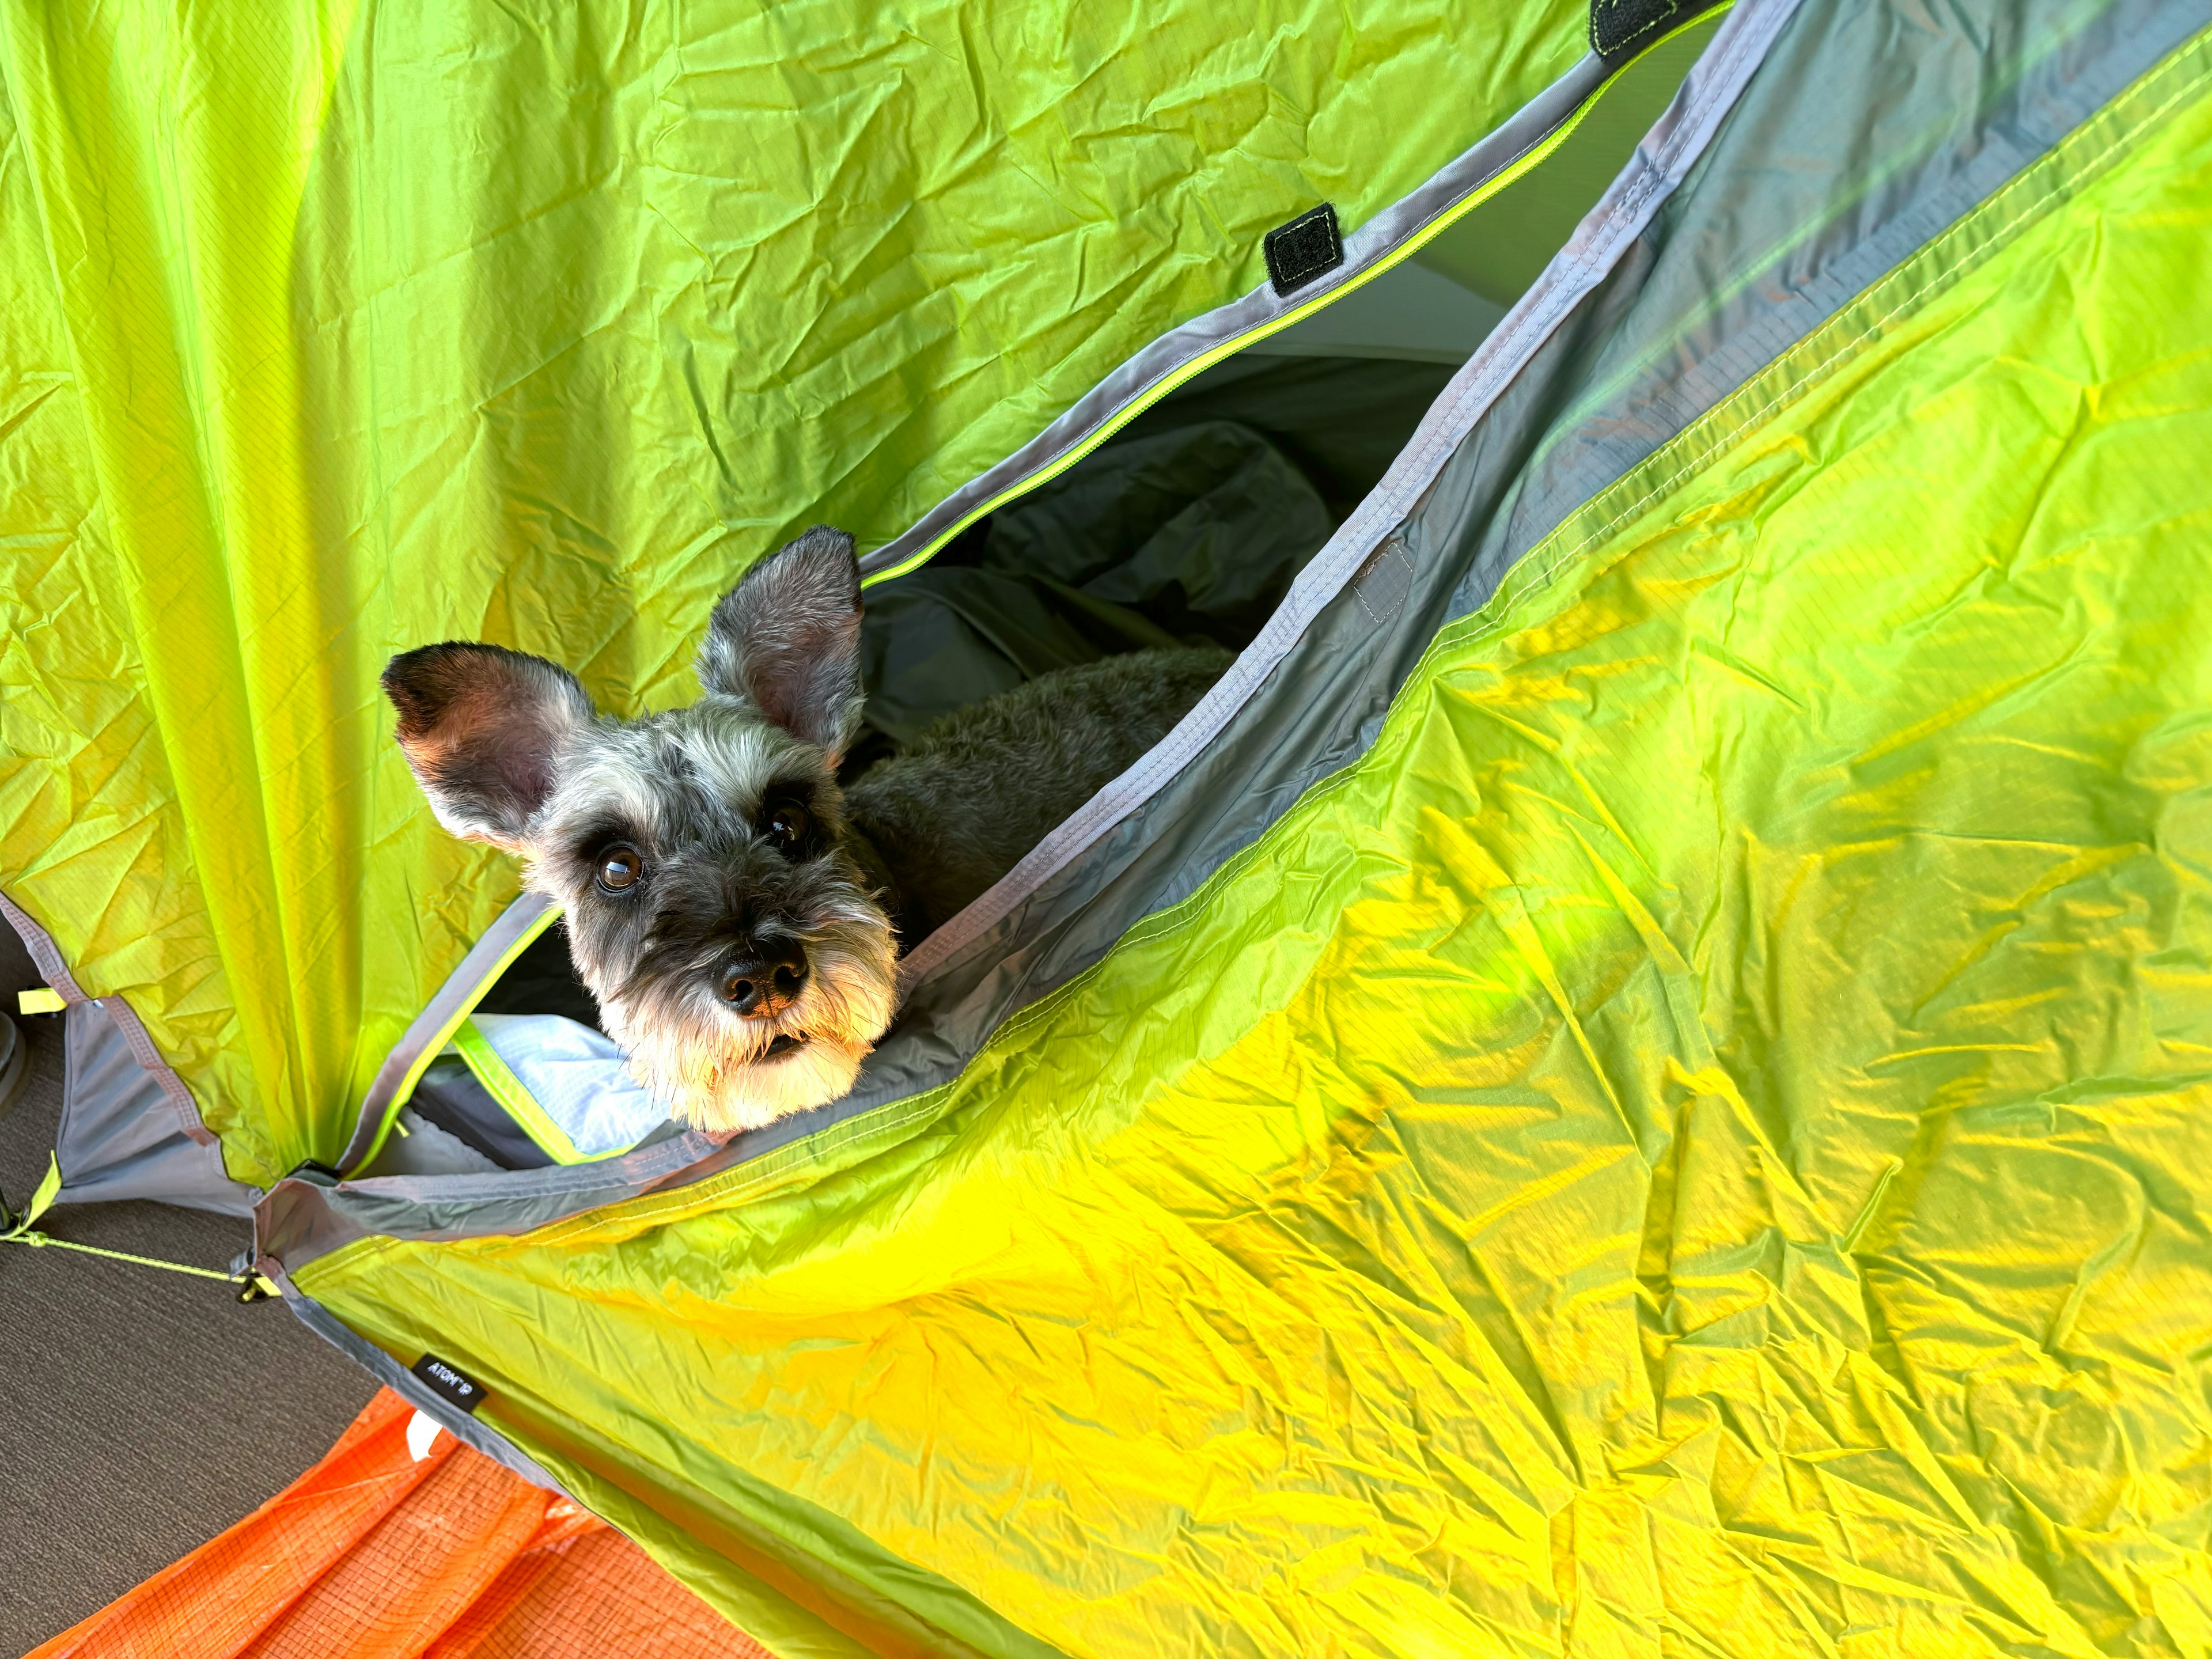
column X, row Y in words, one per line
column 763, row 981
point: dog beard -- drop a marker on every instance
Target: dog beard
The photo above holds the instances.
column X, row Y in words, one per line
column 713, row 1068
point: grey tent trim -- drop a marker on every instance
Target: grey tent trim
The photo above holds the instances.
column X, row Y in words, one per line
column 304, row 1217
column 1949, row 148
column 129, row 1126
column 48, row 957
column 116, row 1140
column 1660, row 163
column 411, row 1388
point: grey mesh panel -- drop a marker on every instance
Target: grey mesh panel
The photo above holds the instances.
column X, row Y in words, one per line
column 119, row 1137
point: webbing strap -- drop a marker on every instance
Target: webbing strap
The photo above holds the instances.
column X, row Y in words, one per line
column 20, row 1230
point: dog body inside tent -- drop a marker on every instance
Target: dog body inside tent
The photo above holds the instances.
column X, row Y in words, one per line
column 1633, row 1075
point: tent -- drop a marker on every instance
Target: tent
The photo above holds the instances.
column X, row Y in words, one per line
column 1634, row 1079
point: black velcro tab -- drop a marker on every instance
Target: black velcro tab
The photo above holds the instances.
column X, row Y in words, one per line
column 449, row 1382
column 1300, row 251
column 1621, row 28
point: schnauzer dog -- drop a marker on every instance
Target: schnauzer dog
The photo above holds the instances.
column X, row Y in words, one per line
column 737, row 915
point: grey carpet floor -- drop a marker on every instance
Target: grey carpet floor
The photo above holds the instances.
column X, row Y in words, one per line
column 141, row 1413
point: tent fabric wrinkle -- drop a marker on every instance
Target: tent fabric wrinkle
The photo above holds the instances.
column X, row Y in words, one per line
column 1630, row 1078
column 692, row 287
column 1613, row 225
column 1724, row 1185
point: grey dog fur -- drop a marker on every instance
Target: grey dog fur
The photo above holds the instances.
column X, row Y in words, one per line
column 510, row 751
column 972, row 793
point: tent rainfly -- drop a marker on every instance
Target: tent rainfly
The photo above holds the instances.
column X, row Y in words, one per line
column 1637, row 1075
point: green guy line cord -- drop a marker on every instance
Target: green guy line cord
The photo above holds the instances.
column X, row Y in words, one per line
column 18, row 1229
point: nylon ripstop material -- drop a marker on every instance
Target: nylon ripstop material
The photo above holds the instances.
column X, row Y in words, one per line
column 336, row 332
column 395, row 1546
column 1703, row 1135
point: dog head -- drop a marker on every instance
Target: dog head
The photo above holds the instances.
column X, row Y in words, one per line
column 715, row 904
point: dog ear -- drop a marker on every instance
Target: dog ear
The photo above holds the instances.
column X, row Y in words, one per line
column 786, row 640
column 480, row 725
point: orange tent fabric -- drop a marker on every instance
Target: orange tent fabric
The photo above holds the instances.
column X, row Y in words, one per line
column 375, row 1553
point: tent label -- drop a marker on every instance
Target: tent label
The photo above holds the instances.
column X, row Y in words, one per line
column 449, row 1382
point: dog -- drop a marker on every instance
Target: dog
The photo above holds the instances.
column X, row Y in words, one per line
column 738, row 915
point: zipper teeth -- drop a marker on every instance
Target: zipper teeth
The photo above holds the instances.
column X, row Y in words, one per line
column 1528, row 159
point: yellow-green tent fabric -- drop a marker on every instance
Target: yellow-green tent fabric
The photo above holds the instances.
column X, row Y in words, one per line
column 1636, row 1080
column 331, row 329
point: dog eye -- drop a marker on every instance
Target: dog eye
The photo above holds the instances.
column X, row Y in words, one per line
column 619, row 869
column 788, row 823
